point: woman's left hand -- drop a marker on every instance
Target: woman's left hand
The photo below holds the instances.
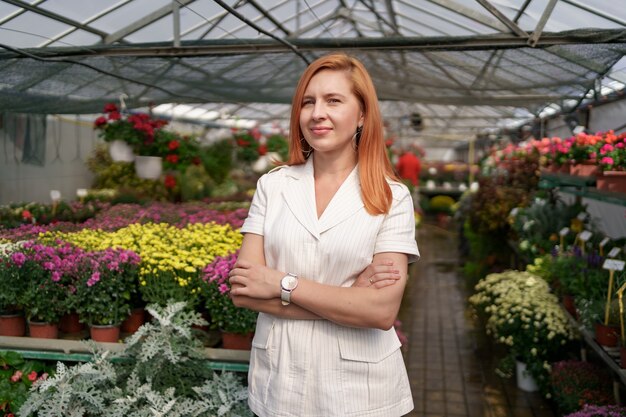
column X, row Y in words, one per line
column 255, row 280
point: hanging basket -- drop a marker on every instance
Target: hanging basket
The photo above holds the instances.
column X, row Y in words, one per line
column 148, row 167
column 121, row 151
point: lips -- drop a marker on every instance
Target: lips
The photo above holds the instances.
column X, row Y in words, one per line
column 320, row 130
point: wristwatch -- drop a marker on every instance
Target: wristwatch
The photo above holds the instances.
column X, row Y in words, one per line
column 287, row 285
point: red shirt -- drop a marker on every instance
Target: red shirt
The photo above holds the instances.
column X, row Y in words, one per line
column 409, row 167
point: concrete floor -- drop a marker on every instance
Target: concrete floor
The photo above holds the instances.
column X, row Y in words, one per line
column 450, row 362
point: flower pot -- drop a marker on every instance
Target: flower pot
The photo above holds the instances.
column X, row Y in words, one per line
column 525, row 381
column 237, row 341
column 43, row 330
column 585, row 169
column 614, row 181
column 569, row 304
column 69, row 323
column 606, row 335
column 12, row 325
column 148, row 167
column 106, row 333
column 121, row 151
column 136, row 319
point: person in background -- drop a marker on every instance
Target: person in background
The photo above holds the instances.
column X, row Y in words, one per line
column 324, row 258
column 408, row 168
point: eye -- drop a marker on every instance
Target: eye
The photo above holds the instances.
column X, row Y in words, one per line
column 307, row 101
column 334, row 100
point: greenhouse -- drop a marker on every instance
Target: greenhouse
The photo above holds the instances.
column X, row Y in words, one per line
column 313, row 208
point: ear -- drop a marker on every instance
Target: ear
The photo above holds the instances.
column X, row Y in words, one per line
column 361, row 120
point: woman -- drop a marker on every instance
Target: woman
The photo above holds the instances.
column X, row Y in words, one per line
column 324, row 258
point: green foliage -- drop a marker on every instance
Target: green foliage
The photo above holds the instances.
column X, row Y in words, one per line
column 121, row 176
column 218, row 160
column 279, row 144
column 441, row 204
column 160, row 372
column 247, row 147
column 163, row 287
column 195, row 184
column 575, row 383
column 16, row 377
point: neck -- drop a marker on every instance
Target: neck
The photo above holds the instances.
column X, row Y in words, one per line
column 328, row 165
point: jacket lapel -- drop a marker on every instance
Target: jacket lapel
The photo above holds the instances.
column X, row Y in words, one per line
column 344, row 203
column 299, row 195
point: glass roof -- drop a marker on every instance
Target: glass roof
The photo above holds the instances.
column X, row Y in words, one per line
column 464, row 65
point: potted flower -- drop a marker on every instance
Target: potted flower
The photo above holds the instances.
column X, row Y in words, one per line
column 521, row 312
column 17, row 376
column 612, row 156
column 236, row 324
column 138, row 132
column 11, row 313
column 600, row 411
column 48, row 287
column 105, row 290
column 577, row 383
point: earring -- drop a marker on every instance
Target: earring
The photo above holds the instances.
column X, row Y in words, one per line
column 306, row 153
column 357, row 138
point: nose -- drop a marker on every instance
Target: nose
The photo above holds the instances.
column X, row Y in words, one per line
column 319, row 110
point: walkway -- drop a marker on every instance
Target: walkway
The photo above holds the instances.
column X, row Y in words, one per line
column 450, row 365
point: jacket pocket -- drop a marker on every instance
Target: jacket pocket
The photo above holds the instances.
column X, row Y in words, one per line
column 264, row 326
column 367, row 345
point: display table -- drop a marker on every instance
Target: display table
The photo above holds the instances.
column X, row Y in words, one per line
column 78, row 351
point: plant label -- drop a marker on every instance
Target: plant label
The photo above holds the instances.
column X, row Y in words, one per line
column 514, row 211
column 582, row 216
column 613, row 264
column 585, row 235
column 55, row 195
column 604, row 242
column 564, row 231
column 614, row 252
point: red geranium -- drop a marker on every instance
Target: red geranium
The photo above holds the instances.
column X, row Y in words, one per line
column 170, row 181
column 173, row 145
column 171, row 158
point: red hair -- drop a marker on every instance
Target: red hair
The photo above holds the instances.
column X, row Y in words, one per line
column 374, row 165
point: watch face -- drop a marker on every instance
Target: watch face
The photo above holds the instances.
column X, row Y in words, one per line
column 289, row 282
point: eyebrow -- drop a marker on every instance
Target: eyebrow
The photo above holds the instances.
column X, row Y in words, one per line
column 325, row 95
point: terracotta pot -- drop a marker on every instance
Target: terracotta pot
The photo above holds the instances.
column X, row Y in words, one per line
column 12, row 325
column 69, row 323
column 606, row 335
column 108, row 333
column 237, row 341
column 569, row 305
column 614, row 181
column 136, row 319
column 43, row 330
column 585, row 169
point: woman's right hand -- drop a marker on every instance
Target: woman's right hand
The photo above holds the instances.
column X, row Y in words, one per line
column 378, row 275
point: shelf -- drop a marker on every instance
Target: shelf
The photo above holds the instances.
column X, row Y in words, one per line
column 78, row 351
column 583, row 187
column 610, row 356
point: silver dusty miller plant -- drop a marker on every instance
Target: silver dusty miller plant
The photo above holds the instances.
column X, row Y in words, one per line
column 161, row 372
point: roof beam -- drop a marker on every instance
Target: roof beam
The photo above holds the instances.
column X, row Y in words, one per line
column 470, row 14
column 268, row 16
column 501, row 17
column 534, row 38
column 595, row 11
column 145, row 21
column 260, row 46
column 56, row 17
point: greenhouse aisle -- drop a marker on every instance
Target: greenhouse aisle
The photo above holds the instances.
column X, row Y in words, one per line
column 449, row 361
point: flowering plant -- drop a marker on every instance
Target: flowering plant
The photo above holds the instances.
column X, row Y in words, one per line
column 521, row 312
column 612, row 153
column 600, row 411
column 107, row 284
column 225, row 316
column 16, row 377
column 144, row 134
column 47, row 273
column 576, row 383
column 10, row 284
column 247, row 146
